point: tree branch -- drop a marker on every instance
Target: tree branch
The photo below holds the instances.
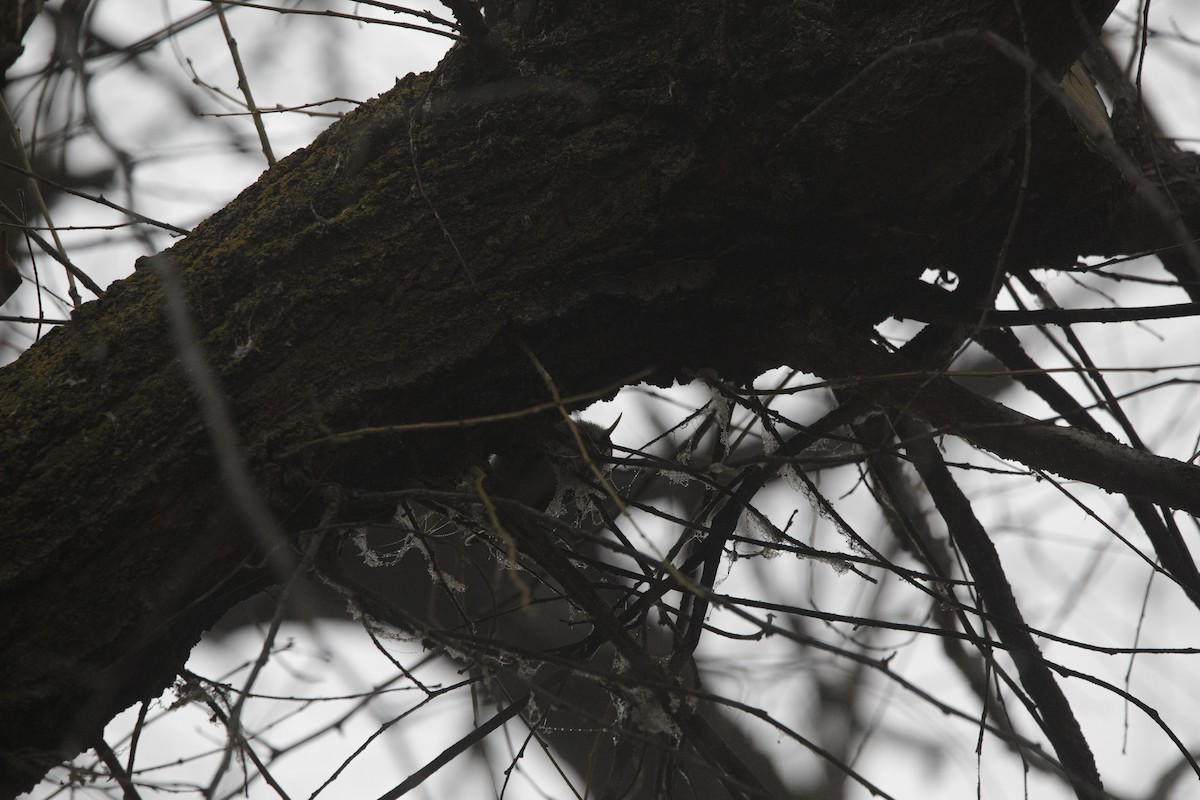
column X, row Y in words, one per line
column 1056, row 717
column 894, row 382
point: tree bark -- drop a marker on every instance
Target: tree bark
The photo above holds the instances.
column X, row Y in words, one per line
column 618, row 188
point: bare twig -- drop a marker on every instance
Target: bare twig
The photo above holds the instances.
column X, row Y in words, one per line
column 244, row 85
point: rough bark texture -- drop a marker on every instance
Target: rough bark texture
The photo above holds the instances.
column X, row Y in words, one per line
column 618, row 186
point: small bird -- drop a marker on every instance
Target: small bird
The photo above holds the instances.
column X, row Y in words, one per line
column 545, row 472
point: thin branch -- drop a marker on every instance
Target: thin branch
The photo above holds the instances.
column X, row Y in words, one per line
column 54, row 252
column 458, row 748
column 99, row 199
column 1057, row 718
column 116, row 769
column 342, row 15
column 244, row 85
column 1010, row 434
column 1051, row 316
